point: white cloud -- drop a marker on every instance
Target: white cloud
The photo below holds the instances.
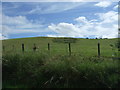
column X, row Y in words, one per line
column 106, row 26
column 109, row 17
column 116, row 7
column 81, row 19
column 19, row 24
column 18, row 20
column 65, row 29
column 103, row 4
column 54, row 36
column 2, row 37
column 53, row 8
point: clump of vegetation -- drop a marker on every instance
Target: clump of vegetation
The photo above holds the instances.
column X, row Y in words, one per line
column 40, row 70
column 118, row 44
column 116, row 48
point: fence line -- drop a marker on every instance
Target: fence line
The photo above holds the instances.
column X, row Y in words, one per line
column 71, row 50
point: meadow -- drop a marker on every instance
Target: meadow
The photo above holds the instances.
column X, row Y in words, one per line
column 85, row 47
column 54, row 68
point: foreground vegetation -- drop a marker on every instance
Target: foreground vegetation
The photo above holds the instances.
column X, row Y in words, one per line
column 56, row 69
column 42, row 71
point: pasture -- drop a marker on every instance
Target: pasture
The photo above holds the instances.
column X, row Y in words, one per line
column 54, row 68
column 85, row 47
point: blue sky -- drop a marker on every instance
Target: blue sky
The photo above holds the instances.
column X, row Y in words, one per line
column 59, row 19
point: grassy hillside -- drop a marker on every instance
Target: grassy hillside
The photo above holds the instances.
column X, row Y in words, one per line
column 87, row 47
column 56, row 69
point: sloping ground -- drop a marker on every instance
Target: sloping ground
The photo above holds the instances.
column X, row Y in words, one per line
column 86, row 47
column 54, row 68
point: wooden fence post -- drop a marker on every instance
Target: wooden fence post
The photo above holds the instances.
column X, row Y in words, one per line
column 69, row 49
column 34, row 47
column 23, row 48
column 48, row 46
column 98, row 49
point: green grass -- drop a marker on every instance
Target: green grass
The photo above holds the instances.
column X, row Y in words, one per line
column 56, row 69
column 86, row 47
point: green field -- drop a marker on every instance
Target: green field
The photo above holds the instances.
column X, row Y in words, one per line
column 54, row 68
column 86, row 47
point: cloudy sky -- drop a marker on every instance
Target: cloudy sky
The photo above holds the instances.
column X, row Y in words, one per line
column 59, row 19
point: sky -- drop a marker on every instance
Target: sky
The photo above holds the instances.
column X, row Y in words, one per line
column 59, row 19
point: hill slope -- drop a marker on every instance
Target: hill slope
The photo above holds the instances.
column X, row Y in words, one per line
column 86, row 47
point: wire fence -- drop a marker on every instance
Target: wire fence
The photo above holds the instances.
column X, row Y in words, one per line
column 63, row 49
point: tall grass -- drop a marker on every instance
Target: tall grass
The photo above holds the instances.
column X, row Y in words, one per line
column 42, row 70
